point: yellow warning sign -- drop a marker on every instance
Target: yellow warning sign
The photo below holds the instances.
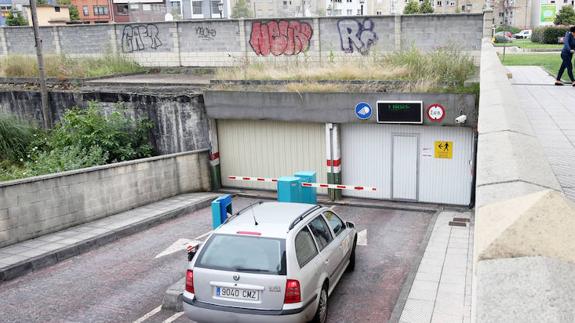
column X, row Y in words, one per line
column 444, row 149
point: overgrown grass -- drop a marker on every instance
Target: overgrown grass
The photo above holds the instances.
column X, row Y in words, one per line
column 549, row 62
column 443, row 68
column 63, row 67
column 15, row 137
column 527, row 43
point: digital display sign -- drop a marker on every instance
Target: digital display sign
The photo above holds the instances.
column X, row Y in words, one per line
column 400, row 112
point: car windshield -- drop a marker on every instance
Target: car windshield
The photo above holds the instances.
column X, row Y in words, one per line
column 243, row 253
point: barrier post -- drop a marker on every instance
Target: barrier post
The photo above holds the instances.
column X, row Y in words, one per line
column 307, row 194
column 220, row 209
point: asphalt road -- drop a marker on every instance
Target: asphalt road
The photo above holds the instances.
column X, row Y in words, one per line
column 122, row 282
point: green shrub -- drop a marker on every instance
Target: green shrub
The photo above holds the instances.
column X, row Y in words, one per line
column 513, row 30
column 412, row 7
column 118, row 136
column 537, row 35
column 15, row 138
column 548, row 34
column 500, row 39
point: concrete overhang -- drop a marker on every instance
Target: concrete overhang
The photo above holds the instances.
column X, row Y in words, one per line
column 329, row 107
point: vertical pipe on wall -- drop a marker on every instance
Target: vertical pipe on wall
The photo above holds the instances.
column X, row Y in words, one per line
column 333, row 159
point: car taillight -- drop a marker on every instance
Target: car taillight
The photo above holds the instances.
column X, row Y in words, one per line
column 190, row 281
column 293, row 293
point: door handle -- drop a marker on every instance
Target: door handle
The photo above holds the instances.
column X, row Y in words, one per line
column 326, row 261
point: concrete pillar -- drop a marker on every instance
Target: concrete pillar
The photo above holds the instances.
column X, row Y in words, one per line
column 57, row 45
column 332, row 149
column 114, row 40
column 175, row 33
column 488, row 22
column 3, row 44
column 317, row 33
column 243, row 39
column 214, row 155
column 397, row 32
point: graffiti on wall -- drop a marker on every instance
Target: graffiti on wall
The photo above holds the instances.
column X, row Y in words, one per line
column 205, row 33
column 356, row 35
column 280, row 37
column 140, row 37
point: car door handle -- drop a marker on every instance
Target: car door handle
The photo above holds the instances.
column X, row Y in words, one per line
column 326, row 261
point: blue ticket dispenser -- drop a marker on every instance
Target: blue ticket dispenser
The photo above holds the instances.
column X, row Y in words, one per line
column 289, row 189
column 307, row 194
column 220, row 209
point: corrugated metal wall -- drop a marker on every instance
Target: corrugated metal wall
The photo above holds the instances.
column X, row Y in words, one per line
column 270, row 149
column 404, row 167
column 367, row 160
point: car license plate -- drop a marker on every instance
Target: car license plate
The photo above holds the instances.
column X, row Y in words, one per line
column 237, row 293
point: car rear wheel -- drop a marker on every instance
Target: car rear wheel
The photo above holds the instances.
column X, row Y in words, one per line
column 321, row 313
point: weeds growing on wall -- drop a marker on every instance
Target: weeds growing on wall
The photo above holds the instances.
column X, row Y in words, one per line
column 83, row 138
column 63, row 67
column 445, row 67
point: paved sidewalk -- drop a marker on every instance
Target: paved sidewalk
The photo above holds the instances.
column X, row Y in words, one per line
column 441, row 291
column 551, row 110
column 21, row 258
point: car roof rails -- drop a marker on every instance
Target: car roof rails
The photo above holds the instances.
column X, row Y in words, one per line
column 303, row 215
column 242, row 210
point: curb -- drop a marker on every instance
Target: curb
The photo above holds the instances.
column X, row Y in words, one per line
column 58, row 255
column 173, row 299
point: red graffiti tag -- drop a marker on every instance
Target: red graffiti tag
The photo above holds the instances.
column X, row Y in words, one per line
column 281, row 37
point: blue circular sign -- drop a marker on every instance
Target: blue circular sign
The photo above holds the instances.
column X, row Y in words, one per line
column 363, row 111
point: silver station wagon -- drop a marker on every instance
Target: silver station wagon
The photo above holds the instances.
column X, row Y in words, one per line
column 272, row 262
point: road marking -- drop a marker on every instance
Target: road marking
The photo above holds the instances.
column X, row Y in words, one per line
column 173, row 317
column 181, row 244
column 362, row 238
column 149, row 314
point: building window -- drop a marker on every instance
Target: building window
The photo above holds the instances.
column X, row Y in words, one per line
column 197, row 7
column 146, row 7
column 349, row 1
column 134, row 6
column 215, row 9
column 57, row 9
column 100, row 11
column 176, row 6
column 85, row 11
column 349, row 12
column 378, row 13
column 337, row 12
column 439, row 4
column 121, row 9
column 285, row 4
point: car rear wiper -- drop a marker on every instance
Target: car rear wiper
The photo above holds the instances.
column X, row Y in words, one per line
column 251, row 269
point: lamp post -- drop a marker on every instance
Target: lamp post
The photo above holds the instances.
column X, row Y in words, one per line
column 361, row 2
column 221, row 7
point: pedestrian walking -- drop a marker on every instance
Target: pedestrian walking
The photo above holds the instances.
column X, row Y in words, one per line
column 567, row 56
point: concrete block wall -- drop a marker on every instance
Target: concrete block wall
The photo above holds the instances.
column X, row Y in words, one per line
column 230, row 42
column 39, row 205
column 180, row 121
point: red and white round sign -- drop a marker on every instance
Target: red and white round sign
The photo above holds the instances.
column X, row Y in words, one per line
column 436, row 112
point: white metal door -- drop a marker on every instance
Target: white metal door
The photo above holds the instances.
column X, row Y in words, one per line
column 270, row 149
column 404, row 167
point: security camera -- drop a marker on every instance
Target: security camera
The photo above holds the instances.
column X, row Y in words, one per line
column 461, row 119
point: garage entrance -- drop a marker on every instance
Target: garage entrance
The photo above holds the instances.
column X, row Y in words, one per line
column 418, row 163
column 270, row 149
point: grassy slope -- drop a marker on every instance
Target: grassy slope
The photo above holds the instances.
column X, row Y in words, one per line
column 527, row 43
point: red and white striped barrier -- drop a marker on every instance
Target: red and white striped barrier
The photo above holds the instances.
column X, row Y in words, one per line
column 252, row 179
column 320, row 185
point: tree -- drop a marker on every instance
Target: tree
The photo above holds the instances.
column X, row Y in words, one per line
column 426, row 7
column 566, row 16
column 16, row 19
column 74, row 14
column 241, row 10
column 411, row 7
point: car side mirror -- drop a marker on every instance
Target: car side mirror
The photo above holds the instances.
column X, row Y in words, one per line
column 350, row 225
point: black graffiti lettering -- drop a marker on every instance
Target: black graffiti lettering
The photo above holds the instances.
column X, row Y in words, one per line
column 206, row 33
column 140, row 37
column 356, row 35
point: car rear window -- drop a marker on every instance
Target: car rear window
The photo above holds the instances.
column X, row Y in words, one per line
column 244, row 254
